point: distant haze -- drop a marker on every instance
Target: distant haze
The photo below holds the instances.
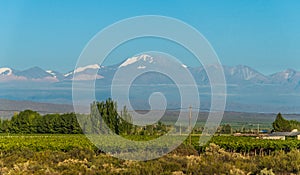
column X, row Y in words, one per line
column 248, row 89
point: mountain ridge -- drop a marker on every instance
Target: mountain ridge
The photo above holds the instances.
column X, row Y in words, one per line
column 239, row 74
column 248, row 90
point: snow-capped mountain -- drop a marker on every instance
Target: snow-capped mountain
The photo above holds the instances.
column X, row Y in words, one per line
column 245, row 84
column 59, row 76
column 234, row 75
column 33, row 73
column 6, row 71
column 83, row 69
column 144, row 60
column 285, row 77
column 238, row 75
column 84, row 73
column 38, row 74
column 141, row 60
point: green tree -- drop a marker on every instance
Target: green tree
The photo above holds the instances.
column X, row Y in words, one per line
column 281, row 125
column 295, row 124
column 226, row 129
column 5, row 126
column 25, row 122
column 126, row 122
column 105, row 112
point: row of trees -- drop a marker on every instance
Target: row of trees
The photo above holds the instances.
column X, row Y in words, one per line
column 103, row 119
column 32, row 122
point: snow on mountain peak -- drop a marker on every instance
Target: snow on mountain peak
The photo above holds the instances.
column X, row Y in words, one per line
column 52, row 73
column 5, row 71
column 289, row 73
column 285, row 75
column 81, row 69
column 245, row 72
column 134, row 59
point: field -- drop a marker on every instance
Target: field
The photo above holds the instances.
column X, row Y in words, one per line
column 32, row 143
column 66, row 142
column 238, row 120
column 75, row 154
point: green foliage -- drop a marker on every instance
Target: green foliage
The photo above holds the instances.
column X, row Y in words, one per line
column 295, row 124
column 126, row 126
column 40, row 142
column 226, row 129
column 24, row 122
column 75, row 154
column 31, row 122
column 250, row 145
column 105, row 119
column 282, row 125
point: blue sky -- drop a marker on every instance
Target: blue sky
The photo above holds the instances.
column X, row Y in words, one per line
column 263, row 34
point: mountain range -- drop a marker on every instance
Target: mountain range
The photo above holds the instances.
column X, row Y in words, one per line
column 238, row 75
column 248, row 90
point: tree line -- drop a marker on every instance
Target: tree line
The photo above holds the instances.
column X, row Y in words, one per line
column 105, row 119
column 102, row 119
column 31, row 122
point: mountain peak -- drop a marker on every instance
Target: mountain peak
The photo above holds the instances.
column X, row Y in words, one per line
column 286, row 74
column 5, row 71
column 92, row 66
column 36, row 68
column 83, row 69
column 290, row 71
column 33, row 73
column 143, row 57
column 245, row 73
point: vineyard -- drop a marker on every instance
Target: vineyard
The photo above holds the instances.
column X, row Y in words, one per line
column 65, row 142
column 251, row 145
column 41, row 142
column 74, row 154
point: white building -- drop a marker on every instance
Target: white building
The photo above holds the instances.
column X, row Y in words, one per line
column 282, row 135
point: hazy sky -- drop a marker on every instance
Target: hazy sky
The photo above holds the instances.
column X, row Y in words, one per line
column 263, row 34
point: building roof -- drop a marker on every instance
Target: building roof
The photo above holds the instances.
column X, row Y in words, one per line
column 291, row 134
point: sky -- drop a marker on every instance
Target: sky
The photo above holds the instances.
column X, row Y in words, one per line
column 262, row 34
